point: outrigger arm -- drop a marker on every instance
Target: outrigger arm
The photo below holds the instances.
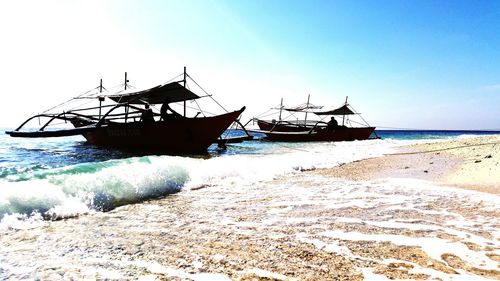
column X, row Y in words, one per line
column 65, row 116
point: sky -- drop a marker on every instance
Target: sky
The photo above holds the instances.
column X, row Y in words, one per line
column 413, row 64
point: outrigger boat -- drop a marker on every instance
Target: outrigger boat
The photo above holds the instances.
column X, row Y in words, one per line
column 124, row 120
column 293, row 129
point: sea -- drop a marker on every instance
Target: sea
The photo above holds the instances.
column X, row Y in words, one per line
column 57, row 182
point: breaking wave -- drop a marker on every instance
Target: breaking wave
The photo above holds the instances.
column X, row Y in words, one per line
column 82, row 188
column 55, row 193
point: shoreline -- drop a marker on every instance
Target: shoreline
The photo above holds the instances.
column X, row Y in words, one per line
column 471, row 163
column 298, row 226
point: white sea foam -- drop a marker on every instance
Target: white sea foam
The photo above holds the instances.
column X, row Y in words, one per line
column 247, row 177
column 61, row 194
column 267, row 275
column 286, row 158
column 331, row 214
column 334, row 247
column 75, row 190
column 18, row 221
column 434, row 247
column 393, row 207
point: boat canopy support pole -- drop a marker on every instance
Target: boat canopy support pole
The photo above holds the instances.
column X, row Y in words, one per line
column 307, row 106
column 184, row 91
column 281, row 109
column 343, row 116
column 184, row 81
column 100, row 99
column 126, row 80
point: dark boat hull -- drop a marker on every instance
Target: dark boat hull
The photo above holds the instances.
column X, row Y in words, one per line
column 177, row 136
column 295, row 133
column 343, row 134
column 282, row 126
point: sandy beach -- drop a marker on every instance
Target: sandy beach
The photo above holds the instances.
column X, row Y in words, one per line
column 472, row 163
column 394, row 217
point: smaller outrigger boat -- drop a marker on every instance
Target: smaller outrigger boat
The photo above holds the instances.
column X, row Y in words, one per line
column 293, row 128
column 130, row 120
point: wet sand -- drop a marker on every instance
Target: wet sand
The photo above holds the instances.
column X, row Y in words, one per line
column 472, row 164
column 303, row 226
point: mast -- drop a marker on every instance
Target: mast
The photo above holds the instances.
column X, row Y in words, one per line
column 307, row 106
column 184, row 91
column 281, row 108
column 343, row 116
column 126, row 80
column 100, row 99
column 126, row 107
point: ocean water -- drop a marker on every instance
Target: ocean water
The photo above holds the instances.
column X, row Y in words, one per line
column 61, row 177
column 43, row 180
column 430, row 134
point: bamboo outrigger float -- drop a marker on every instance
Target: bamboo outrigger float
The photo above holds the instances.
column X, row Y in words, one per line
column 304, row 130
column 124, row 120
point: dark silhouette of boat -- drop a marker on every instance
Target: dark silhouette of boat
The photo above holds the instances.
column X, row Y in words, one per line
column 131, row 122
column 304, row 130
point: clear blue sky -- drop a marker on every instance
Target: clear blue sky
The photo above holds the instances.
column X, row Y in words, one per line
column 406, row 64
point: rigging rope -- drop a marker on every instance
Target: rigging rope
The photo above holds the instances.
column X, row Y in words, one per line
column 71, row 99
column 206, row 92
column 197, row 104
column 174, row 78
column 442, row 149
